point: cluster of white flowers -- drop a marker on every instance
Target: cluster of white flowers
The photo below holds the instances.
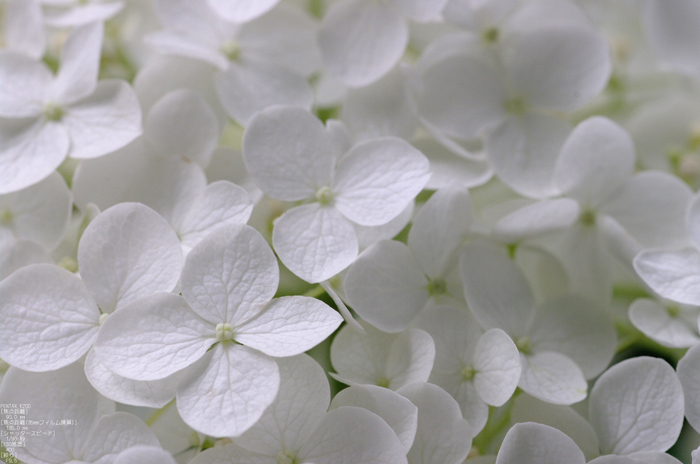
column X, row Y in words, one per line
column 349, row 231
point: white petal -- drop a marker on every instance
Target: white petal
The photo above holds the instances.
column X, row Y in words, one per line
column 384, row 108
column 80, row 64
column 294, row 416
column 361, row 41
column 16, row 254
column 24, row 28
column 672, row 274
column 652, row 207
column 184, row 45
column 241, row 11
column 398, row 412
column 30, row 150
column 496, row 290
column 673, row 34
column 577, row 327
column 523, row 152
column 115, row 433
column 144, row 455
column 460, row 110
column 350, row 434
column 596, row 159
column 40, row 213
column 658, row 323
column 376, row 179
column 315, row 242
column 562, row 418
column 443, row 435
column 252, row 85
column 689, row 376
column 552, row 377
column 47, row 318
column 369, row 235
column 84, row 14
column 24, row 84
column 288, row 153
column 289, row 326
column 126, row 252
column 693, row 220
column 150, row 394
column 360, row 358
column 230, row 275
column 537, row 219
column 105, row 121
column 153, row 337
column 474, row 409
column 182, row 125
column 654, row 457
column 532, row 443
column 560, row 67
column 439, row 229
column 448, row 168
column 227, row 391
column 497, row 366
column 231, row 453
column 64, row 393
column 410, row 359
column 386, row 287
column 421, row 10
column 221, row 204
column 637, row 405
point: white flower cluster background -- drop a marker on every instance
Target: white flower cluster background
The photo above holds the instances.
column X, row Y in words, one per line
column 349, row 231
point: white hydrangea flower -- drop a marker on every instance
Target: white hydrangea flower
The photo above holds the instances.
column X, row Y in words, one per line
column 378, row 358
column 667, row 323
column 478, row 369
column 16, row 254
column 98, row 434
column 227, row 285
column 46, row 118
column 297, row 429
column 127, row 252
column 369, row 185
column 532, row 443
column 689, row 374
column 561, row 342
column 242, row 11
column 391, row 283
column 261, row 63
column 23, row 28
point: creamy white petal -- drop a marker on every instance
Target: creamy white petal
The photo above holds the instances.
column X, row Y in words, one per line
column 386, row 286
column 376, row 179
column 361, row 358
column 398, row 412
column 552, row 377
column 693, row 220
column 115, row 433
column 288, row 153
column 314, row 241
column 672, row 274
column 227, row 391
column 537, row 219
column 182, row 125
column 532, row 443
column 449, row 168
column 126, row 252
column 673, row 34
column 16, row 254
column 443, row 435
column 595, row 161
column 105, row 121
column 47, row 318
column 663, row 325
column 24, row 28
column 144, row 455
column 80, row 64
column 637, row 405
column 361, row 41
column 153, row 337
column 84, row 14
column 24, row 83
column 230, row 275
column 410, row 358
column 253, row 85
column 289, row 326
column 144, row 393
column 497, row 367
column 421, row 10
column 30, row 150
column 689, row 375
column 241, row 11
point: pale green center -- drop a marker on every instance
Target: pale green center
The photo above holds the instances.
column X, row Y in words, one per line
column 383, row 382
column 69, row 264
column 515, row 105
column 524, row 345
column 490, row 35
column 53, row 112
column 103, row 318
column 231, row 49
column 437, row 287
column 587, row 217
column 224, row 331
column 324, row 195
column 287, row 457
column 673, row 311
column 6, row 217
column 468, row 373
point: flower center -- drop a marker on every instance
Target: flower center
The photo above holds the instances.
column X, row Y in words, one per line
column 587, row 217
column 287, row 457
column 103, row 318
column 468, row 373
column 490, row 35
column 224, row 331
column 524, row 345
column 324, row 195
column 383, row 382
column 437, row 287
column 6, row 217
column 231, row 49
column 515, row 105
column 673, row 310
column 53, row 112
